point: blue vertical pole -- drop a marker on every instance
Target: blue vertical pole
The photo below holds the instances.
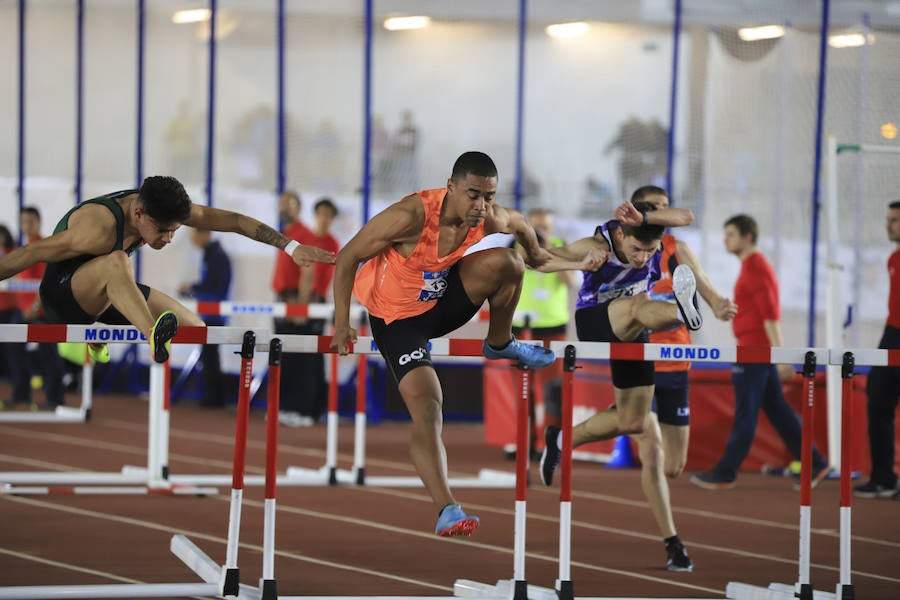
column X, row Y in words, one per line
column 520, row 102
column 673, row 99
column 817, row 165
column 139, row 135
column 280, row 151
column 211, row 109
column 79, row 101
column 20, row 169
column 367, row 111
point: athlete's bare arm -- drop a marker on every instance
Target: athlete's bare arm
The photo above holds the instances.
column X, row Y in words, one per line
column 504, row 220
column 723, row 308
column 669, row 217
column 92, row 230
column 400, row 225
column 216, row 219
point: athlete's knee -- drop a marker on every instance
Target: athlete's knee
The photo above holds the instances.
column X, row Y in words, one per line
column 674, row 466
column 508, row 263
column 651, row 452
column 631, row 424
column 118, row 263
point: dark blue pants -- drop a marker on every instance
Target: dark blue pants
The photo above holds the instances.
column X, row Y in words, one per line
column 883, row 390
column 25, row 360
column 757, row 386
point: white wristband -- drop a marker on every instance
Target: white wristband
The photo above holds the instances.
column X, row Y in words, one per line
column 291, row 246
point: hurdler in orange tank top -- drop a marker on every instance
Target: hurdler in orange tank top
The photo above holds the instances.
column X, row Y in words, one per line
column 392, row 287
column 662, row 289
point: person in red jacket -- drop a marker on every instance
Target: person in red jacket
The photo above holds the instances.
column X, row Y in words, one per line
column 40, row 359
column 302, row 375
column 756, row 386
column 883, row 384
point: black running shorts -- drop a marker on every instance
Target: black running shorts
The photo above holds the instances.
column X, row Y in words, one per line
column 404, row 343
column 592, row 325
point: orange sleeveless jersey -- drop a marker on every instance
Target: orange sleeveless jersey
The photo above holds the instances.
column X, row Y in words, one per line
column 680, row 335
column 392, row 287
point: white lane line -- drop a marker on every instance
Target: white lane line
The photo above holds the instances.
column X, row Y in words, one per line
column 198, row 535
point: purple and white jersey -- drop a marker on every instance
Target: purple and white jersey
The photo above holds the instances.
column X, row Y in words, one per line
column 616, row 279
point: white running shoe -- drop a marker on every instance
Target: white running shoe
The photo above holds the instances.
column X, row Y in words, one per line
column 685, row 288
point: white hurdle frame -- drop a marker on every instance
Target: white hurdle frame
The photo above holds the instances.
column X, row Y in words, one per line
column 156, row 475
column 62, row 414
column 154, row 478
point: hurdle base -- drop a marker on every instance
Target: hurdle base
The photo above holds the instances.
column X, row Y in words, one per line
column 504, row 588
column 206, row 568
column 486, row 479
column 776, row 591
column 268, row 589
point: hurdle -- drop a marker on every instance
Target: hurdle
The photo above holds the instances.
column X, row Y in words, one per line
column 156, row 476
column 152, row 479
column 329, row 473
column 563, row 587
column 225, row 582
column 846, row 360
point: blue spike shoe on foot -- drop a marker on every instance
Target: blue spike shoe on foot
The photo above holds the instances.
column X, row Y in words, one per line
column 529, row 355
column 454, row 522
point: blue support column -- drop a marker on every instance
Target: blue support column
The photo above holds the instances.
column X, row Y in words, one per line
column 211, row 106
column 79, row 102
column 817, row 166
column 367, row 112
column 280, row 150
column 139, row 113
column 520, row 102
column 20, row 168
column 673, row 100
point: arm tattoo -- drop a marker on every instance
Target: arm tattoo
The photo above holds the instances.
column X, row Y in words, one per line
column 267, row 235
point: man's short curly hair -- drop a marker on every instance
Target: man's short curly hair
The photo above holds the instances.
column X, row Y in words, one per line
column 163, row 199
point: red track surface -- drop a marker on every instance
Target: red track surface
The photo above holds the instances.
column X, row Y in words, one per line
column 356, row 541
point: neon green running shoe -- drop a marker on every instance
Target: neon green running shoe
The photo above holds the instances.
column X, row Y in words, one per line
column 161, row 335
column 99, row 353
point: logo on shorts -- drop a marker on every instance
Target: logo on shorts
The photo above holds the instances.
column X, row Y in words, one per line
column 683, row 411
column 434, row 284
column 417, row 354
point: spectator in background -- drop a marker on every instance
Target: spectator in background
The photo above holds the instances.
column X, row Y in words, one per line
column 883, row 385
column 42, row 360
column 756, row 386
column 10, row 313
column 543, row 311
column 294, row 285
column 215, row 279
column 405, row 146
column 314, row 401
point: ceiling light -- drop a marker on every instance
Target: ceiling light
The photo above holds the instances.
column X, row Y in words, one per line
column 847, row 40
column 194, row 15
column 763, row 32
column 567, row 30
column 398, row 23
